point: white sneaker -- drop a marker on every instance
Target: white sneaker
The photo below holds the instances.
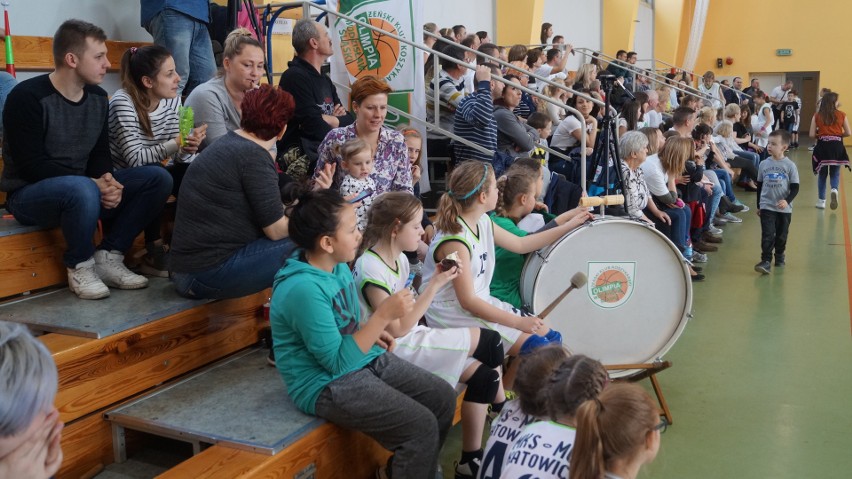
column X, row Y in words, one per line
column 715, row 231
column 730, row 218
column 833, row 203
column 109, row 265
column 85, row 283
column 820, row 204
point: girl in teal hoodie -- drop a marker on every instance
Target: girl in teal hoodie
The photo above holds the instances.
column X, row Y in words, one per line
column 333, row 363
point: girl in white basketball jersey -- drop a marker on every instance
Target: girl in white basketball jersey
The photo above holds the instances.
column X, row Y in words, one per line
column 543, row 448
column 471, row 356
column 464, row 229
column 529, row 406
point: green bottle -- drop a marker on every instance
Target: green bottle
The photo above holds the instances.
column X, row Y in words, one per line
column 186, row 120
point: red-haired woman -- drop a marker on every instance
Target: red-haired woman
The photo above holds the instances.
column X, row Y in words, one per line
column 231, row 235
column 392, row 170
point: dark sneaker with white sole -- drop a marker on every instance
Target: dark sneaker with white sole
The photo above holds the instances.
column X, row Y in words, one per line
column 763, row 267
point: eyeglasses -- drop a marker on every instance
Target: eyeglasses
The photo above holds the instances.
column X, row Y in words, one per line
column 662, row 426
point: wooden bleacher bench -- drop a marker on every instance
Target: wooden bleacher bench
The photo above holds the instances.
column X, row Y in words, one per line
column 30, row 257
column 111, row 350
column 240, row 409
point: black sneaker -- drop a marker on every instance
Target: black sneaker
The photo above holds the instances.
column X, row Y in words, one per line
column 271, row 358
column 780, row 260
column 467, row 470
column 763, row 267
column 697, row 277
column 155, row 261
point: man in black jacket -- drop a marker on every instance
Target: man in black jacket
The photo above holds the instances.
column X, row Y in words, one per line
column 318, row 108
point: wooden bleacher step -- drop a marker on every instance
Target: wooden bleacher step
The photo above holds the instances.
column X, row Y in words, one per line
column 30, row 257
column 240, row 402
column 61, row 311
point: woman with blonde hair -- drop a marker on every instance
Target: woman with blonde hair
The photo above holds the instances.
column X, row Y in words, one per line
column 585, row 75
column 662, row 168
column 218, row 102
column 557, row 92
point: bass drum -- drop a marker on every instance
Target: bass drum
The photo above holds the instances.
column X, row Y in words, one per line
column 637, row 299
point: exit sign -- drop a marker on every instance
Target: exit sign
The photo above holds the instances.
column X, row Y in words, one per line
column 784, row 52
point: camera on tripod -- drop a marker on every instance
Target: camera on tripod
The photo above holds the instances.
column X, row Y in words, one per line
column 607, row 80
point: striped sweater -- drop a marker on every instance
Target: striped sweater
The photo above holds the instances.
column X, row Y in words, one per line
column 130, row 146
column 475, row 122
column 450, row 93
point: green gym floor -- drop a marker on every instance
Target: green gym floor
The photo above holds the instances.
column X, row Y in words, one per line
column 761, row 384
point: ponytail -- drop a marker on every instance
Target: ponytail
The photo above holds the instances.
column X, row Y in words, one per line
column 587, row 457
column 137, row 63
column 449, row 209
column 518, row 180
column 467, row 181
column 611, row 427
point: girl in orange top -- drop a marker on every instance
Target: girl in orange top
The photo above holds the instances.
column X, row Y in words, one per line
column 829, row 126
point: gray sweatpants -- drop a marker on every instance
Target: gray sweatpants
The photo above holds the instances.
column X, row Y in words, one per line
column 405, row 408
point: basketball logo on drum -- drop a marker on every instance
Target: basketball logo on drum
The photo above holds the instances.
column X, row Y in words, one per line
column 611, row 284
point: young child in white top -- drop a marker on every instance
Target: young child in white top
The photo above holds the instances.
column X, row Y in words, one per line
column 543, row 448
column 358, row 165
column 470, row 356
column 464, row 228
column 529, row 406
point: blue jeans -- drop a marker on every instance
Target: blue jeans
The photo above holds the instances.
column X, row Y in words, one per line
column 249, row 270
column 189, row 42
column 74, row 204
column 726, row 183
column 716, row 197
column 681, row 220
column 828, row 170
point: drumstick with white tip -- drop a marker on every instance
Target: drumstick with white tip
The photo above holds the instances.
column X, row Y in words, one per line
column 577, row 281
column 608, row 200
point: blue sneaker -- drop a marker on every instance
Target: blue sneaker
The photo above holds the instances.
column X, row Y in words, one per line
column 553, row 336
column 535, row 341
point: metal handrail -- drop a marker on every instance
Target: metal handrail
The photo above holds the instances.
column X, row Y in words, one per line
column 692, row 73
column 429, row 126
column 308, row 5
column 655, row 77
column 500, row 62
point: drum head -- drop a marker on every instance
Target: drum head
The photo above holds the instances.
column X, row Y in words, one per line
column 635, row 303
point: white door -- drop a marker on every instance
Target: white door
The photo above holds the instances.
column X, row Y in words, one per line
column 643, row 36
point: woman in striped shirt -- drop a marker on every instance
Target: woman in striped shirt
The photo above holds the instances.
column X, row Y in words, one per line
column 143, row 130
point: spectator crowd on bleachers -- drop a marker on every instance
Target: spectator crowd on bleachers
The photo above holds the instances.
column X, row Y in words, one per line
column 276, row 186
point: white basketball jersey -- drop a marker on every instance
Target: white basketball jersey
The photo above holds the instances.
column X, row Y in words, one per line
column 479, row 241
column 505, row 430
column 370, row 269
column 543, row 451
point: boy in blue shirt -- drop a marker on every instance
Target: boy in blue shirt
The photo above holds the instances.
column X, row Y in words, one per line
column 777, row 186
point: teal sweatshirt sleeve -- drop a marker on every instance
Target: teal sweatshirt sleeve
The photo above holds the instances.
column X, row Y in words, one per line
column 316, row 323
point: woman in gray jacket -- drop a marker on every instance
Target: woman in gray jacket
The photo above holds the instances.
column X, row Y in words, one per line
column 514, row 137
